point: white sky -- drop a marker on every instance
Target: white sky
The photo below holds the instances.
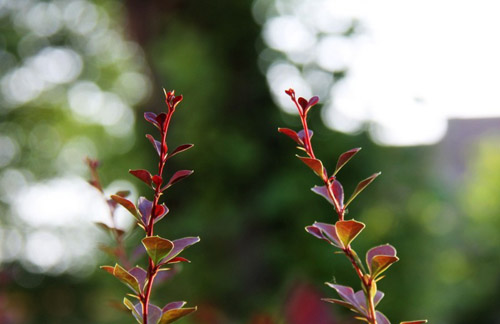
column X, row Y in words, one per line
column 411, row 66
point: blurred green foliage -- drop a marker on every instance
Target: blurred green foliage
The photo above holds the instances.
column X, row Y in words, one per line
column 249, row 198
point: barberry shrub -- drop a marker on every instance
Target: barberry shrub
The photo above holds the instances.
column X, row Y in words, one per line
column 161, row 253
column 341, row 234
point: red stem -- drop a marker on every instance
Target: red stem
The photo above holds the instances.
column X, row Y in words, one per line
column 366, row 281
column 152, row 268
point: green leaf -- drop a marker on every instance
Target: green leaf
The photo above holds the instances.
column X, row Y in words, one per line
column 110, row 230
column 157, row 247
column 361, row 186
column 348, row 230
column 415, row 322
column 315, row 165
column 131, row 307
column 172, row 315
column 344, row 158
column 125, row 277
column 128, row 205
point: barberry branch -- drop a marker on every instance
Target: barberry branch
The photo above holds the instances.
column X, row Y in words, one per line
column 160, row 251
column 343, row 232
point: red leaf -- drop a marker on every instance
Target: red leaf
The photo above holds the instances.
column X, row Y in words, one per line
column 292, row 134
column 176, row 101
column 291, row 93
column 160, row 212
column 314, row 164
column 303, row 103
column 109, row 269
column 157, row 180
column 161, row 118
column 142, row 175
column 313, row 101
column 361, row 186
column 128, row 205
column 344, row 158
column 178, row 176
column 180, row 149
column 123, row 193
column 178, row 259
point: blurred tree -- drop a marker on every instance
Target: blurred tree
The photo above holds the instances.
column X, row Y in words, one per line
column 249, row 198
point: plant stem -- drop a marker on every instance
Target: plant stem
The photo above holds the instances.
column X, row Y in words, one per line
column 366, row 281
column 152, row 268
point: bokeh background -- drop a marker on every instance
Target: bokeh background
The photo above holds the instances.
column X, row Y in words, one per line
column 414, row 84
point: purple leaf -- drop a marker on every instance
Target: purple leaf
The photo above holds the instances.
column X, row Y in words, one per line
column 154, row 313
column 381, row 319
column 379, row 258
column 315, row 232
column 341, row 303
column 313, row 101
column 165, row 275
column 292, row 134
column 345, row 292
column 322, row 191
column 143, row 175
column 344, row 158
column 173, row 305
column 145, row 207
column 361, row 186
column 385, row 249
column 338, row 193
column 179, row 246
column 179, row 149
column 302, row 134
column 140, row 274
column 378, row 297
column 151, row 117
column 361, row 299
column 329, row 233
column 156, row 144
